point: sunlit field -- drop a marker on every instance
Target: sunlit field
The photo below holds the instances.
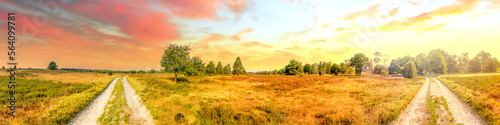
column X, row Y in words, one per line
column 274, row 99
column 481, row 92
column 48, row 97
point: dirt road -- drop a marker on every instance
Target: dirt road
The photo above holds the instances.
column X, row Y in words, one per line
column 415, row 112
column 139, row 113
column 90, row 114
column 460, row 110
column 436, row 94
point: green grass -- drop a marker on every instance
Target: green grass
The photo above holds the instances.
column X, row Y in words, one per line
column 116, row 110
column 46, row 102
column 482, row 93
column 431, row 109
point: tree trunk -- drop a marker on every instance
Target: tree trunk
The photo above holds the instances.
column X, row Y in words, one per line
column 175, row 78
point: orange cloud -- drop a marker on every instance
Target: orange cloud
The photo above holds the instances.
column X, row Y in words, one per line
column 419, row 22
column 202, row 9
column 236, row 6
column 317, row 41
column 405, row 23
column 294, row 48
column 213, row 37
column 393, row 11
column 236, row 37
column 255, row 43
column 194, row 9
column 460, row 7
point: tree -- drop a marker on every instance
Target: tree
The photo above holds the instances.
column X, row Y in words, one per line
column 321, row 68
column 328, row 66
column 176, row 58
column 377, row 57
column 219, row 68
column 211, row 68
column 238, row 68
column 437, row 64
column 335, row 69
column 293, row 68
column 409, row 70
column 152, row 71
column 463, row 63
column 52, row 66
column 133, row 72
column 196, row 67
column 346, row 67
column 378, row 69
column 421, row 62
column 308, row 69
column 227, row 69
column 394, row 67
column 359, row 61
column 315, row 68
column 383, row 72
column 110, row 73
column 488, row 64
column 3, row 67
column 474, row 65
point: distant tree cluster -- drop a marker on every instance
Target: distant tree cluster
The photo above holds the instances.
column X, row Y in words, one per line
column 359, row 62
column 176, row 59
column 439, row 61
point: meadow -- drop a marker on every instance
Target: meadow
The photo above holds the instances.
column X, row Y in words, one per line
column 481, row 92
column 48, row 97
column 274, row 99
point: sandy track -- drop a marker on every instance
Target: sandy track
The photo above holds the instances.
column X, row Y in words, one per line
column 415, row 112
column 460, row 110
column 139, row 113
column 90, row 114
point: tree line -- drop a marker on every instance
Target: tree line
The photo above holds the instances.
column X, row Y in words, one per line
column 437, row 61
column 176, row 59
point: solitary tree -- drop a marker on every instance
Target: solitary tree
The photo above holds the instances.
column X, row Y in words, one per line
column 293, row 68
column 335, row 69
column 359, row 61
column 238, row 68
column 308, row 69
column 110, row 73
column 52, row 66
column 437, row 64
column 3, row 67
column 219, row 68
column 176, row 58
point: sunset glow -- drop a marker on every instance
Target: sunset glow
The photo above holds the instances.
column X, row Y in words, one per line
column 266, row 34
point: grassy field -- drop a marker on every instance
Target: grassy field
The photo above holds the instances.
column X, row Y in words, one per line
column 274, row 99
column 481, row 92
column 45, row 97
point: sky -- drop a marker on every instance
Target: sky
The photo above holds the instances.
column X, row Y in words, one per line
column 266, row 34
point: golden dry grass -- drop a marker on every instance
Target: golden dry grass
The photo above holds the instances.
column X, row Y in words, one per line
column 274, row 99
column 50, row 97
column 481, row 92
